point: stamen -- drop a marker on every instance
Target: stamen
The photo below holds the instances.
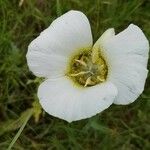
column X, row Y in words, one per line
column 88, row 82
column 80, row 73
column 100, row 79
column 81, row 62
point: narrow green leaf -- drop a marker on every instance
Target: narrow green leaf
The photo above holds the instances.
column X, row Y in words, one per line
column 58, row 8
column 13, row 124
column 37, row 110
column 27, row 117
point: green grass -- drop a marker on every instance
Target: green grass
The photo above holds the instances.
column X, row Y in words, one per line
column 118, row 128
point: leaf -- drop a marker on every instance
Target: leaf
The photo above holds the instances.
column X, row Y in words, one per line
column 13, row 124
column 37, row 110
column 101, row 128
column 26, row 118
column 58, row 7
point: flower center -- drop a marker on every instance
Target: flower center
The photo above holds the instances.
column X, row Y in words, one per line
column 88, row 68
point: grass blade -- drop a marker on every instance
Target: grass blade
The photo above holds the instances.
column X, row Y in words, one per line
column 21, row 129
column 58, row 7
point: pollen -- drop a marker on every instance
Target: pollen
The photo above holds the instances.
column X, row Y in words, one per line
column 88, row 68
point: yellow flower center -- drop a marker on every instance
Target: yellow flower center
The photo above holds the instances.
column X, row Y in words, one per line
column 87, row 68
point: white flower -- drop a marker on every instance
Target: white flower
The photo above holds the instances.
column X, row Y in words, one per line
column 81, row 79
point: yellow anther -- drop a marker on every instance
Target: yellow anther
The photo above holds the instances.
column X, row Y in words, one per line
column 80, row 73
column 100, row 79
column 88, row 82
column 81, row 62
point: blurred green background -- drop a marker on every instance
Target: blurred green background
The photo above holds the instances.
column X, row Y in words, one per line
column 117, row 128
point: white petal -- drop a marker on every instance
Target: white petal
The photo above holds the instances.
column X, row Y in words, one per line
column 105, row 37
column 60, row 98
column 48, row 53
column 127, row 55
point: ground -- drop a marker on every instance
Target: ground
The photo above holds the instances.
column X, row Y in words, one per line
column 117, row 128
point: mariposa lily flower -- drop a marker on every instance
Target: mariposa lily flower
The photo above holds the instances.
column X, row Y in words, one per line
column 83, row 79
